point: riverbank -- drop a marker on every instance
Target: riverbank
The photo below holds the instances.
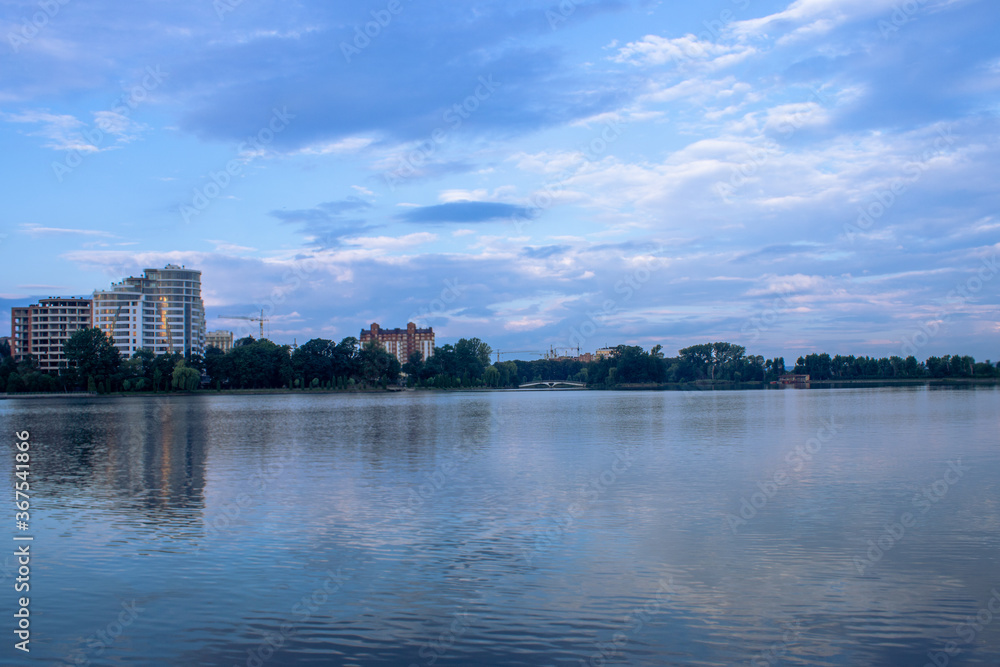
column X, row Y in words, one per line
column 668, row 386
column 823, row 384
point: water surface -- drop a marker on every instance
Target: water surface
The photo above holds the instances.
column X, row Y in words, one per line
column 514, row 528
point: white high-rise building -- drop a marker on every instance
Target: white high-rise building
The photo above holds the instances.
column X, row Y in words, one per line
column 161, row 311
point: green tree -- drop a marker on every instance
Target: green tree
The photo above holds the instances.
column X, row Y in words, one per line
column 7, row 366
column 491, row 377
column 195, row 361
column 377, row 364
column 14, row 383
column 90, row 352
column 414, row 366
column 217, row 365
column 163, row 370
column 259, row 364
column 347, row 358
column 314, row 360
column 184, row 378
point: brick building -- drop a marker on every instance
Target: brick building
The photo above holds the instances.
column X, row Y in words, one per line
column 402, row 342
column 41, row 329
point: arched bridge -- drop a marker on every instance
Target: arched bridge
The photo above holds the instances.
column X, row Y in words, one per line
column 552, row 384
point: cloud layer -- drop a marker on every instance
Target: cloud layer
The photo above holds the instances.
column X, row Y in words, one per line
column 813, row 175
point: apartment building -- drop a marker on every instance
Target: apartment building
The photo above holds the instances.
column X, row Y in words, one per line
column 161, row 310
column 42, row 329
column 402, row 342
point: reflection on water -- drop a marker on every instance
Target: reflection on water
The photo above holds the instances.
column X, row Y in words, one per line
column 516, row 528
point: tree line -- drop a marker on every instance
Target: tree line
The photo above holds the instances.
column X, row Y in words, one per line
column 95, row 364
column 723, row 362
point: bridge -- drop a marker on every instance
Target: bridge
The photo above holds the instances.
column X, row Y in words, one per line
column 552, row 384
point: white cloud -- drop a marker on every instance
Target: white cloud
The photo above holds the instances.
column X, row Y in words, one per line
column 654, row 50
column 813, row 16
column 340, row 147
column 391, row 243
column 120, row 126
column 62, row 132
column 37, row 230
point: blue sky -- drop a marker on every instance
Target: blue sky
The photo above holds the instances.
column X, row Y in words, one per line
column 817, row 175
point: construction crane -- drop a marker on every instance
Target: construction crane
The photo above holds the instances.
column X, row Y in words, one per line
column 260, row 319
column 553, row 352
column 540, row 354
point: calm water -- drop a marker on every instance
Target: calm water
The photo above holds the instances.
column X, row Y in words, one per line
column 513, row 528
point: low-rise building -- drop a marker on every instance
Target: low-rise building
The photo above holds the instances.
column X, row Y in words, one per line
column 220, row 339
column 402, row 342
column 42, row 329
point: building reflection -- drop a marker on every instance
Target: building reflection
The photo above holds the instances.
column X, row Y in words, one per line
column 143, row 459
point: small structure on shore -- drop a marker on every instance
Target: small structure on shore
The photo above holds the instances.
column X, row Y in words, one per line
column 552, row 384
column 794, row 378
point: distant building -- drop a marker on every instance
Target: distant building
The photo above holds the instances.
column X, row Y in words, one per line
column 794, row 378
column 161, row 311
column 586, row 357
column 604, row 352
column 41, row 330
column 402, row 342
column 220, row 339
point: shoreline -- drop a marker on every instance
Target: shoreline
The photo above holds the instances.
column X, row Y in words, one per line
column 671, row 386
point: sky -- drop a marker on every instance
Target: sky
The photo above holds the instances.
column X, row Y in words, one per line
column 812, row 176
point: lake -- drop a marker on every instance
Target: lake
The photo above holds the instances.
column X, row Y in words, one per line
column 855, row 526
